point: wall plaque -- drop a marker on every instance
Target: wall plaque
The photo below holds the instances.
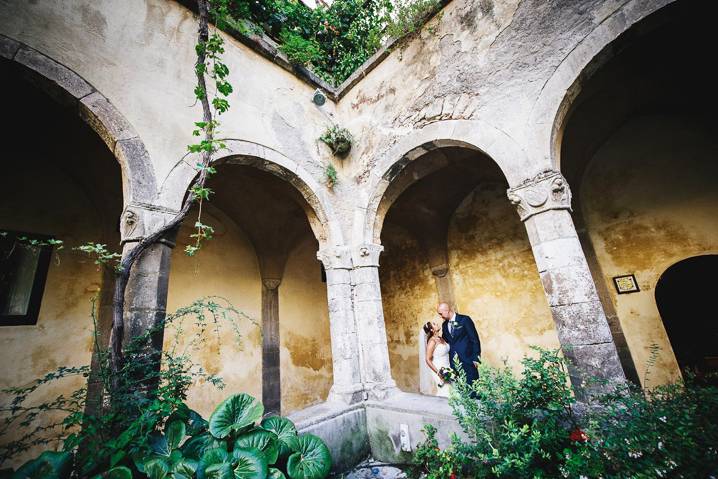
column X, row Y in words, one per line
column 626, row 284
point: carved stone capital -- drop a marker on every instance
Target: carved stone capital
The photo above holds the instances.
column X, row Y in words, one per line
column 546, row 191
column 271, row 283
column 140, row 219
column 440, row 271
column 335, row 258
column 365, row 255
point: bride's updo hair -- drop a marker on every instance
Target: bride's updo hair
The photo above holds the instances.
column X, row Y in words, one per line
column 429, row 331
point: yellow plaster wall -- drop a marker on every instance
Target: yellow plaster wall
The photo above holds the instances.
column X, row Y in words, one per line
column 649, row 198
column 63, row 333
column 306, row 349
column 495, row 278
column 495, row 281
column 409, row 299
column 227, row 266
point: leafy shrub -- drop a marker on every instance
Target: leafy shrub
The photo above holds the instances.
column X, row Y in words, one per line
column 230, row 445
column 528, row 427
column 333, row 40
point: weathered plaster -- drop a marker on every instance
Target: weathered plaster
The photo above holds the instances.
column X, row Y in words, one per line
column 649, row 200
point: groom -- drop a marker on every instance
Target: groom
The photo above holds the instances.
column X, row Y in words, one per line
column 460, row 333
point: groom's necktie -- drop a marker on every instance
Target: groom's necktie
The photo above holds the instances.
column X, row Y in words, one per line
column 451, row 328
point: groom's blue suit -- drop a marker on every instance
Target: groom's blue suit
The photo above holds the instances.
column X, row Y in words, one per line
column 465, row 343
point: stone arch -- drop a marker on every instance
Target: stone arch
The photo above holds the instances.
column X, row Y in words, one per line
column 248, row 153
column 70, row 89
column 548, row 116
column 471, row 134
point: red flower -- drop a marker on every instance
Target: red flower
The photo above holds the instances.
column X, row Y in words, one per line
column 578, row 435
column 452, row 476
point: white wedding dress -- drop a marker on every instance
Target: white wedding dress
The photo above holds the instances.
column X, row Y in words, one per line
column 441, row 360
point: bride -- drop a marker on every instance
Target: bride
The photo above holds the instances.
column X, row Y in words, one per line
column 437, row 355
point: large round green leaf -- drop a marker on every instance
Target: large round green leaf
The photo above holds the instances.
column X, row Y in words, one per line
column 311, row 458
column 175, row 432
column 120, row 472
column 235, row 414
column 250, row 464
column 195, row 423
column 275, row 473
column 195, row 447
column 157, row 468
column 284, row 429
column 49, row 465
column 216, row 463
column 263, row 441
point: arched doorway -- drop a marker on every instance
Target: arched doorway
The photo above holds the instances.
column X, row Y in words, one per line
column 262, row 259
column 450, row 234
column 686, row 300
column 61, row 181
column 638, row 149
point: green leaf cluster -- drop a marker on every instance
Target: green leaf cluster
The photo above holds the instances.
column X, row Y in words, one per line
column 332, row 40
column 528, row 427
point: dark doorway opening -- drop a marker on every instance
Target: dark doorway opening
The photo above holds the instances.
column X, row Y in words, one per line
column 686, row 296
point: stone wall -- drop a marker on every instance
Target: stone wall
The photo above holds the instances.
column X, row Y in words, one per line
column 649, row 201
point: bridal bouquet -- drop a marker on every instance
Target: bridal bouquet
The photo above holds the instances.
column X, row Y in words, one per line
column 447, row 375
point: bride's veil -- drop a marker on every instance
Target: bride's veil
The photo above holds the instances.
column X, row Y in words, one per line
column 426, row 381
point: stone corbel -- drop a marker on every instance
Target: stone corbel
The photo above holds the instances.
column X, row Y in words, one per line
column 335, row 258
column 366, row 255
column 546, row 191
column 139, row 220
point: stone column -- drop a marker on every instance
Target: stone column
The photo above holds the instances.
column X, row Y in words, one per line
column 544, row 205
column 369, row 314
column 146, row 294
column 347, row 387
column 438, row 260
column 271, row 376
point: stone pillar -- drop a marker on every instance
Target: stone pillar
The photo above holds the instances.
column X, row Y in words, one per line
column 369, row 314
column 271, row 376
column 146, row 294
column 347, row 387
column 544, row 205
column 437, row 256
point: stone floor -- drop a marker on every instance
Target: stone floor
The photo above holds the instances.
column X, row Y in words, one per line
column 371, row 468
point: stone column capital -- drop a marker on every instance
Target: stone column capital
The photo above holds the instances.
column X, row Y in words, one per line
column 366, row 255
column 271, row 283
column 337, row 257
column 139, row 220
column 440, row 270
column 546, row 191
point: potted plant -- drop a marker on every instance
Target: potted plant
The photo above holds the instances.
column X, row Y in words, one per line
column 338, row 139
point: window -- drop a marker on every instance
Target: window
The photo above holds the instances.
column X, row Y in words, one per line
column 24, row 260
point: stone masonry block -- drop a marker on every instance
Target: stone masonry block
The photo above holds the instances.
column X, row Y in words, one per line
column 367, row 292
column 133, row 156
column 105, row 119
column 59, row 81
column 8, row 47
column 558, row 253
column 581, row 323
column 550, row 225
column 593, row 368
column 568, row 285
column 368, row 275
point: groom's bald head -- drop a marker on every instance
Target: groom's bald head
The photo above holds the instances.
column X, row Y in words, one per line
column 444, row 310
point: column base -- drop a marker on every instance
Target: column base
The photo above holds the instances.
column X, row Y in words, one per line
column 346, row 394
